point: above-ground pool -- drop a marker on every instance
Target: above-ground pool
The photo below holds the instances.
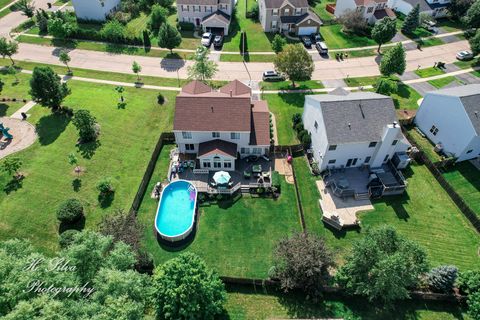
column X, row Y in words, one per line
column 176, row 210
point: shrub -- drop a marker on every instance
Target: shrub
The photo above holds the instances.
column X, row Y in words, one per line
column 296, row 119
column 105, row 186
column 146, row 39
column 469, row 281
column 353, row 21
column 276, row 181
column 442, row 278
column 160, row 99
column 67, row 237
column 185, row 26
column 305, row 138
column 70, row 211
column 299, row 127
column 113, row 31
column 386, row 86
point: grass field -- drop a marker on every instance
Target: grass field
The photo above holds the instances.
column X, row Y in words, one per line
column 247, row 57
column 406, row 97
column 465, row 178
column 287, row 85
column 429, row 72
column 336, row 39
column 442, row 82
column 13, row 89
column 360, row 81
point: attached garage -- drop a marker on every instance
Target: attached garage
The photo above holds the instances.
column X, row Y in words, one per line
column 305, row 31
column 217, row 23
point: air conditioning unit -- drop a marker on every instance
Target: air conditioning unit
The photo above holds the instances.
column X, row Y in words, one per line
column 401, row 160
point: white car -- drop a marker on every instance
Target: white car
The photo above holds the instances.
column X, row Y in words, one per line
column 464, row 55
column 207, row 39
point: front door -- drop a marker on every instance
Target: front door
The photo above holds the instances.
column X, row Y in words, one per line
column 351, row 162
column 197, row 22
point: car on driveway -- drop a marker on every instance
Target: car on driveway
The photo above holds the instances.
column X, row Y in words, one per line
column 316, row 37
column 464, row 55
column 272, row 76
column 218, row 41
column 306, row 41
column 207, row 39
column 321, row 47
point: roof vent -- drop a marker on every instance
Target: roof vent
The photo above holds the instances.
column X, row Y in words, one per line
column 361, row 110
column 395, row 123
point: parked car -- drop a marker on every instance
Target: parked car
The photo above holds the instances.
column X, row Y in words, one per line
column 316, row 37
column 218, row 41
column 430, row 26
column 207, row 39
column 306, row 41
column 464, row 55
column 321, row 47
column 272, row 76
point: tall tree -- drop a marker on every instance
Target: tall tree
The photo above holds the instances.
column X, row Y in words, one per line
column 475, row 43
column 11, row 165
column 278, row 43
column 26, row 7
column 472, row 18
column 157, row 18
column 64, row 58
column 169, row 37
column 86, row 125
column 295, row 62
column 203, row 69
column 47, row 89
column 383, row 266
column 383, row 31
column 8, row 48
column 136, row 68
column 412, row 21
column 393, row 61
column 458, row 8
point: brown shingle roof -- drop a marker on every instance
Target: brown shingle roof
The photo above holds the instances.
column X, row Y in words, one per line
column 220, row 15
column 196, row 87
column 260, row 134
column 237, row 88
column 217, row 146
column 278, row 3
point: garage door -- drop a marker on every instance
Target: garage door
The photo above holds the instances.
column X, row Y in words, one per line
column 304, row 31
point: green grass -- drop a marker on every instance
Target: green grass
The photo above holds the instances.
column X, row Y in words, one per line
column 465, row 179
column 429, row 72
column 442, row 82
column 467, row 64
column 236, row 237
column 430, row 42
column 450, row 25
column 360, row 81
column 356, row 53
column 319, row 7
column 287, row 85
column 248, row 58
column 336, row 39
column 13, row 89
column 406, row 97
column 127, row 139
column 425, row 145
column 62, row 2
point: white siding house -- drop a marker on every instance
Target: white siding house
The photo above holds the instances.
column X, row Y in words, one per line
column 451, row 118
column 352, row 129
column 95, row 10
column 435, row 8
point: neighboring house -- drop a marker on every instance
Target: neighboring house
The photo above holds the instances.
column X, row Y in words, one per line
column 94, row 10
column 352, row 129
column 435, row 8
column 211, row 15
column 372, row 10
column 221, row 126
column 293, row 16
column 451, row 118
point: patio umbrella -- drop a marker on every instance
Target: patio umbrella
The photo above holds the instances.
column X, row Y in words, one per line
column 221, row 177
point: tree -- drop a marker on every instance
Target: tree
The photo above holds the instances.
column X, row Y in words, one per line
column 295, row 62
column 442, row 279
column 475, row 43
column 383, row 31
column 412, row 21
column 383, row 266
column 169, row 37
column 8, row 48
column 136, row 68
column 60, row 28
column 473, row 303
column 26, row 7
column 469, row 281
column 13, row 71
column 47, row 89
column 184, row 288
column 113, row 31
column 64, row 58
column 393, row 61
column 86, row 125
column 70, row 211
column 202, row 69
column 105, row 186
column 458, row 8
column 472, row 17
column 73, row 161
column 2, row 84
column 386, row 86
column 157, row 18
column 278, row 43
column 353, row 21
column 11, row 165
column 301, row 262
column 42, row 21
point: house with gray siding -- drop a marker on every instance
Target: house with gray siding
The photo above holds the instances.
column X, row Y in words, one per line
column 209, row 15
column 94, row 10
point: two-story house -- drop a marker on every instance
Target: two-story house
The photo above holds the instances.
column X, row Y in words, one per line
column 293, row 16
column 435, row 8
column 372, row 10
column 220, row 126
column 211, row 15
column 94, row 10
column 352, row 129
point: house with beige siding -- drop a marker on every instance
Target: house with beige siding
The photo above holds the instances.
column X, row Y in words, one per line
column 292, row 16
column 209, row 15
column 371, row 10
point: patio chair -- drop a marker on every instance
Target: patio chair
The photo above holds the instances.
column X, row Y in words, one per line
column 230, row 184
column 246, row 174
column 213, row 184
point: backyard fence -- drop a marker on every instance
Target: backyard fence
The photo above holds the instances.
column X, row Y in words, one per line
column 299, row 200
column 165, row 137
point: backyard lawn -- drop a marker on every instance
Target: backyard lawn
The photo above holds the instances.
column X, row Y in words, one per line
column 465, row 178
column 406, row 97
column 319, row 7
column 425, row 145
column 336, row 39
column 127, row 139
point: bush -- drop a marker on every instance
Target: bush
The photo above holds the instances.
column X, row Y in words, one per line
column 160, row 99
column 469, row 281
column 70, row 211
column 67, row 237
column 299, row 127
column 442, row 279
column 105, row 186
column 305, row 138
column 276, row 181
column 113, row 31
column 296, row 119
column 185, row 26
column 354, row 22
column 386, row 86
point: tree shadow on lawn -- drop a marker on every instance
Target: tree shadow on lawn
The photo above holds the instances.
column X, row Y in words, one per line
column 404, row 93
column 340, row 234
column 50, row 127
column 468, row 171
column 106, row 199
column 76, row 184
column 87, row 150
column 77, row 225
column 3, row 109
column 293, row 99
column 13, row 185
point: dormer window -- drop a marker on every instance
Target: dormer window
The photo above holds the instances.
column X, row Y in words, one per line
column 287, row 11
column 298, row 11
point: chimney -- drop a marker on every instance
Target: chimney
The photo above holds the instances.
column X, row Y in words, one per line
column 231, row 93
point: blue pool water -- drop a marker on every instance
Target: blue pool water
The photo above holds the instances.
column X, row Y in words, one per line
column 176, row 210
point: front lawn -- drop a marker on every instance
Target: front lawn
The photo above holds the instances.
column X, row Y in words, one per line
column 360, row 81
column 337, row 39
column 465, row 179
column 319, row 7
column 429, row 72
column 442, row 82
column 247, row 58
column 287, row 85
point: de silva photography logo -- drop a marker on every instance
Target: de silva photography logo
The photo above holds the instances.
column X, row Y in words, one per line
column 54, row 265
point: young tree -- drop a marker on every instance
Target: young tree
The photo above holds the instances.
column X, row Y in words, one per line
column 302, row 261
column 412, row 20
column 42, row 21
column 8, row 48
column 157, row 18
column 73, row 161
column 64, row 58
column 169, row 37
column 442, row 278
column 70, row 211
column 120, row 91
column 475, row 43
column 47, row 89
column 13, row 71
column 26, row 7
column 383, row 31
column 184, row 288
column 383, row 266
column 278, row 43
column 86, row 125
column 136, row 68
column 353, row 21
column 393, row 61
column 203, row 69
column 472, row 18
column 295, row 62
column 458, row 8
column 11, row 165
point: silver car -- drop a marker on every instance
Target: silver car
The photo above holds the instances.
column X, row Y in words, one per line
column 207, row 39
column 464, row 55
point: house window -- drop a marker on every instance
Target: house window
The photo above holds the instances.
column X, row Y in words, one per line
column 184, row 8
column 274, row 24
column 332, row 147
column 367, row 159
column 186, row 135
column 287, row 11
column 234, row 135
column 372, row 145
column 215, row 134
column 256, row 150
column 227, row 164
column 189, row 147
column 470, row 151
column 394, row 143
column 298, row 11
column 434, row 130
column 245, row 150
column 217, row 163
column 207, row 164
column 386, row 158
column 369, row 10
column 275, row 12
column 332, row 161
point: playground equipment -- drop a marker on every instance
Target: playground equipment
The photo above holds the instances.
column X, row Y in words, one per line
column 5, row 133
